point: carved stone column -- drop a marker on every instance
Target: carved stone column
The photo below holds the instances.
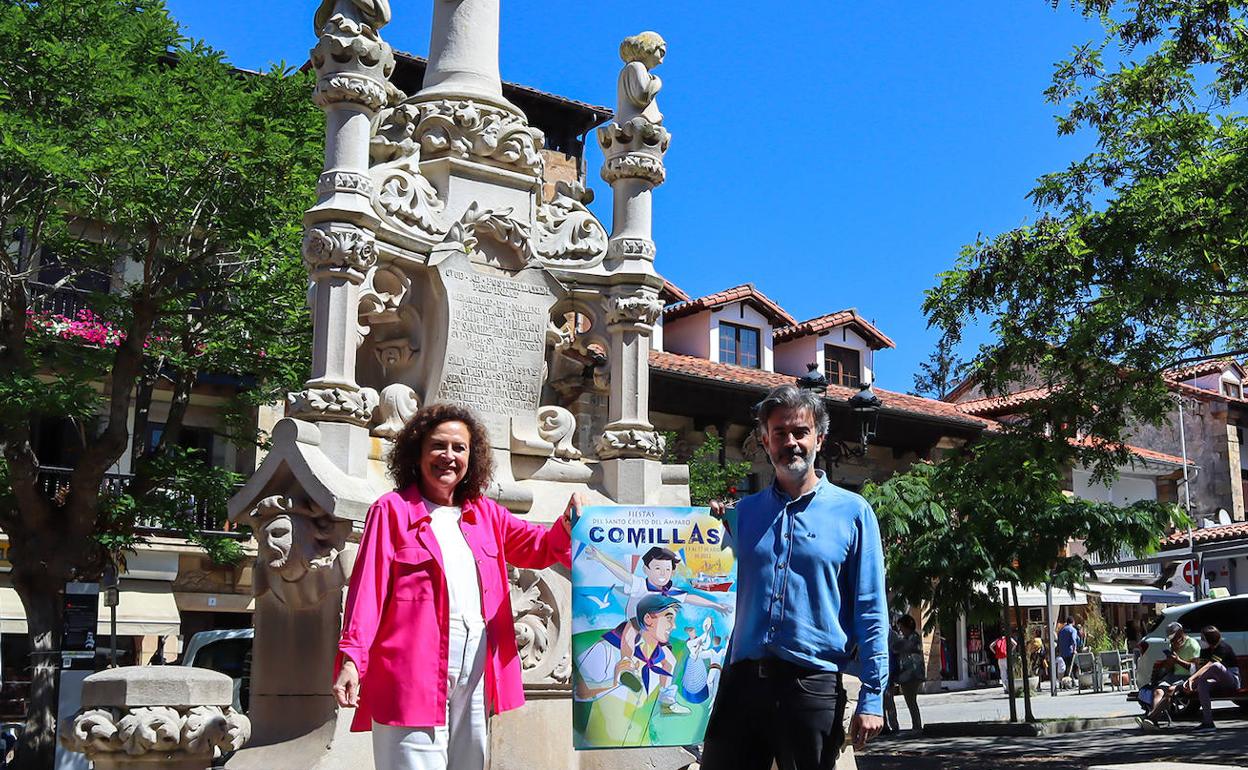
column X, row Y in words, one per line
column 463, row 51
column 633, row 146
column 353, row 65
column 167, row 717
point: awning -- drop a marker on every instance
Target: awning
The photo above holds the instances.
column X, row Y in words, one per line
column 144, row 607
column 1034, row 597
column 1128, row 593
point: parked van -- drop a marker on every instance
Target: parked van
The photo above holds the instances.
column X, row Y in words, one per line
column 228, row 652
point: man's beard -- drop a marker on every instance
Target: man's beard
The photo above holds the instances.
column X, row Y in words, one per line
column 792, row 462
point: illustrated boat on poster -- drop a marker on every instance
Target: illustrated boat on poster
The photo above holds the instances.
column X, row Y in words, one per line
column 717, row 583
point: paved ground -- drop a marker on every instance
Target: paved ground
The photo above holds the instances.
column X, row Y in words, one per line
column 992, row 705
column 1075, row 751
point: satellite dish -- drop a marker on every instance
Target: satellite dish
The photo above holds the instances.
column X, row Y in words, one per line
column 1223, row 516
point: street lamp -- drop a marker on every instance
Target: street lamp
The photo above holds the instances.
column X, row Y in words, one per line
column 813, row 380
column 866, row 407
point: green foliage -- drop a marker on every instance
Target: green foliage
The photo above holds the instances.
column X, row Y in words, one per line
column 1099, row 636
column 708, row 479
column 996, row 514
column 1139, row 259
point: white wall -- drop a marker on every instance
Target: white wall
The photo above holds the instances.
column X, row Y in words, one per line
column 741, row 314
column 793, row 356
column 656, row 336
column 1125, row 490
column 688, row 336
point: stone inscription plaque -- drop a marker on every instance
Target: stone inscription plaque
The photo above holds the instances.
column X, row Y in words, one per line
column 496, row 343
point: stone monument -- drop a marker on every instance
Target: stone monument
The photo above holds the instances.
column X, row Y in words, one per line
column 439, row 270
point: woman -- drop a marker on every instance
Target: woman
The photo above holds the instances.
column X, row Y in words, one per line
column 428, row 646
column 909, row 652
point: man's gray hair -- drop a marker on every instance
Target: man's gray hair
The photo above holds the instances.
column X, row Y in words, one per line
column 793, row 397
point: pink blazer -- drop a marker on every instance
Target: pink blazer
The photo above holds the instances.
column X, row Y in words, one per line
column 396, row 620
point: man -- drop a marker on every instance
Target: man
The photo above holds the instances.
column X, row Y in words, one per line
column 1171, row 671
column 1068, row 643
column 810, row 591
column 1218, row 675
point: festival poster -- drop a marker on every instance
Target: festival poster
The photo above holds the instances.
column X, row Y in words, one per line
column 653, row 598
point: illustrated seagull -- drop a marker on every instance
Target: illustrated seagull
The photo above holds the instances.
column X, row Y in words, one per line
column 603, row 602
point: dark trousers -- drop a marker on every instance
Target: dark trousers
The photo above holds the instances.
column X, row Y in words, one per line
column 771, row 711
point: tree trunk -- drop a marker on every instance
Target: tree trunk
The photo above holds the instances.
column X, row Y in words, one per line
column 41, row 599
column 1022, row 653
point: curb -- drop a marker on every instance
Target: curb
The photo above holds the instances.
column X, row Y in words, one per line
column 1021, row 729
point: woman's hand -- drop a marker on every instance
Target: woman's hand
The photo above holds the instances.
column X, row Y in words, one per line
column 718, row 508
column 347, row 685
column 576, row 502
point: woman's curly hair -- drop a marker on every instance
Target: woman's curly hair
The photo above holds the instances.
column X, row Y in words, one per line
column 404, row 460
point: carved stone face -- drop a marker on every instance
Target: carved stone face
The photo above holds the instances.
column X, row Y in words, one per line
column 277, row 546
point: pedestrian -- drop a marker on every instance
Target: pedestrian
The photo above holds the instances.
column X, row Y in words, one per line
column 1068, row 643
column 1035, row 654
column 810, row 591
column 1178, row 663
column 1218, row 675
column 891, row 725
column 428, row 647
column 912, row 667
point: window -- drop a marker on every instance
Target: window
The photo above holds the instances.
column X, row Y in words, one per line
column 1229, row 615
column 1232, row 389
column 842, row 366
column 738, row 345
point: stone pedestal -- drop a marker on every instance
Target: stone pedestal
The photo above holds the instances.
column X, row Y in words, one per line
column 167, row 717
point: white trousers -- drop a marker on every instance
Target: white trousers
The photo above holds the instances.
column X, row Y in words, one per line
column 463, row 742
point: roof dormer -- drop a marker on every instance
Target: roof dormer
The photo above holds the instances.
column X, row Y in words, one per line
column 841, row 344
column 733, row 326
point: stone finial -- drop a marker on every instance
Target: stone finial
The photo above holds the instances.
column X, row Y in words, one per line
column 172, row 717
column 374, row 13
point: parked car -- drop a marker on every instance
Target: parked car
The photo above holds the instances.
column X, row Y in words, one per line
column 1230, row 615
column 227, row 651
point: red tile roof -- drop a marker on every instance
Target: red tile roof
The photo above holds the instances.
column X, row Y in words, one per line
column 675, row 292
column 743, row 293
column 761, row 380
column 1202, row 368
column 823, row 323
column 994, row 405
column 1216, row 534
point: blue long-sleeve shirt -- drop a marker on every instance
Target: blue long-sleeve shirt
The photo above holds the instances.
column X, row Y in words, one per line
column 810, row 584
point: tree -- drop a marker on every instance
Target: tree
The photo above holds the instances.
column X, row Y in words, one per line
column 711, row 476
column 141, row 163
column 940, row 374
column 997, row 513
column 1138, row 261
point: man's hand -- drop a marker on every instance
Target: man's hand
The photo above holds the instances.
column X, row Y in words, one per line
column 347, row 686
column 864, row 727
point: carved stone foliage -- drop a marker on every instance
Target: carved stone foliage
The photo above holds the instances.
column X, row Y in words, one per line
column 141, row 730
column 641, row 309
column 347, row 252
column 630, row 442
column 634, row 149
column 396, row 405
column 566, row 233
column 405, row 199
column 352, row 62
column 474, row 131
column 384, row 289
column 539, row 628
column 497, row 225
column 299, row 551
column 557, row 426
column 332, row 405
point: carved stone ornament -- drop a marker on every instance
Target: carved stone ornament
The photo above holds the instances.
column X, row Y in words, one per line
column 634, row 136
column 141, row 730
column 331, row 405
column 394, row 355
column 345, row 251
column 566, row 232
column 630, row 442
column 396, row 405
column 538, row 627
column 498, row 225
column 343, row 182
column 635, row 310
column 384, row 289
column 352, row 62
column 557, row 426
column 299, row 549
column 628, row 248
column 475, row 131
column 405, row 199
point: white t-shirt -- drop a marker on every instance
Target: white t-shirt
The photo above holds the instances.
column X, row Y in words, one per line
column 460, row 565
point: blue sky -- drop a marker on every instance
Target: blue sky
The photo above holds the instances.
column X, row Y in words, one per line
column 835, row 154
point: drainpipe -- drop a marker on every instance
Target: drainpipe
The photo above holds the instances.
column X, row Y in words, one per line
column 1187, row 504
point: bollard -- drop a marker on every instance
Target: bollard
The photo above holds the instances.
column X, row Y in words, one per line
column 147, row 717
